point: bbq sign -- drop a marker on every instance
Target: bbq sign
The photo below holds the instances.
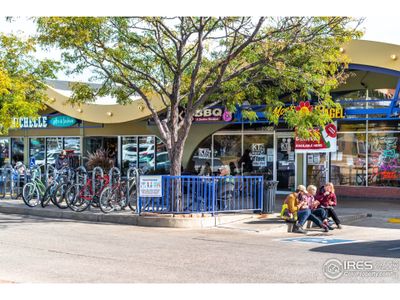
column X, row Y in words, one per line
column 212, row 114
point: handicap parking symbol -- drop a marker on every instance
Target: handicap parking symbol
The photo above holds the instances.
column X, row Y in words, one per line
column 325, row 241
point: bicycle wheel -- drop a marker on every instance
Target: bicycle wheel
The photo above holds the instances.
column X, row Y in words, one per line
column 123, row 199
column 59, row 196
column 30, row 194
column 107, row 197
column 74, row 199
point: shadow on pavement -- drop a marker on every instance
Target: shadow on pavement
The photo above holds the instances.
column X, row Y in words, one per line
column 389, row 249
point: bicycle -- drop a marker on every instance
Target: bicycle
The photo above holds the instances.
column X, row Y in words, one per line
column 61, row 176
column 79, row 197
column 115, row 197
column 33, row 191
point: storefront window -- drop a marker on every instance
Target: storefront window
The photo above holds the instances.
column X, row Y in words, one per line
column 146, row 153
column 37, row 150
column 352, row 126
column 202, row 155
column 4, row 151
column 54, row 147
column 227, row 150
column 129, row 153
column 384, row 159
column 162, row 163
column 348, row 163
column 17, row 150
column 262, row 153
column 73, row 144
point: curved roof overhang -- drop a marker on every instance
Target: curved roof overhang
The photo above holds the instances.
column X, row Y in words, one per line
column 100, row 113
column 374, row 54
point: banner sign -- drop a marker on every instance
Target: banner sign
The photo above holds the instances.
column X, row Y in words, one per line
column 62, row 121
column 150, row 186
column 43, row 122
column 327, row 141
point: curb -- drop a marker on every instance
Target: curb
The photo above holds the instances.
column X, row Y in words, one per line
column 168, row 221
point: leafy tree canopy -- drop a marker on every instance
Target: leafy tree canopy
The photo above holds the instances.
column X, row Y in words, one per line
column 22, row 77
column 194, row 61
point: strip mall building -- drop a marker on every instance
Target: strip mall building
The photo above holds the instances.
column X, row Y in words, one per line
column 366, row 162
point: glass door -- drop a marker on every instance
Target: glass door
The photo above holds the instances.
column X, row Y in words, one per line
column 317, row 168
column 285, row 162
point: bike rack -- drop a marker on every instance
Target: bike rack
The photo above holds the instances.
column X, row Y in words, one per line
column 3, row 183
column 114, row 171
column 81, row 170
column 94, row 172
column 53, row 173
column 8, row 181
column 25, row 174
column 34, row 172
column 132, row 173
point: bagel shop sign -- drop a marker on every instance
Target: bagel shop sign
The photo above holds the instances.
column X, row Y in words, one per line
column 43, row 122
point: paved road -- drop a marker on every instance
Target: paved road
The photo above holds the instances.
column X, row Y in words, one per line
column 35, row 249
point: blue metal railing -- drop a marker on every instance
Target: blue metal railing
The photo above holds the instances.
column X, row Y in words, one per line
column 205, row 194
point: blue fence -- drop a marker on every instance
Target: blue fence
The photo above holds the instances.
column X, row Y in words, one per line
column 205, row 194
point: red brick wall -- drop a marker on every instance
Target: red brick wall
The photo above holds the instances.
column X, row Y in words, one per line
column 376, row 192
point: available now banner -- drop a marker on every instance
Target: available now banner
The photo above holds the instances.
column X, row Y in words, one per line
column 326, row 143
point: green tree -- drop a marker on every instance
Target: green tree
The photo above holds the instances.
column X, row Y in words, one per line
column 191, row 62
column 22, row 79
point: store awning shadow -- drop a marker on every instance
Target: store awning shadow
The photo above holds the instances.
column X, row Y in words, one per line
column 386, row 249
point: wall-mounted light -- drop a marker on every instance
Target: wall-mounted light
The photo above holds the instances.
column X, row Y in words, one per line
column 341, row 50
column 109, row 114
column 141, row 107
column 79, row 110
column 393, row 56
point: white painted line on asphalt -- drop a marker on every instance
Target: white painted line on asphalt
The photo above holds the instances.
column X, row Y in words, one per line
column 392, row 249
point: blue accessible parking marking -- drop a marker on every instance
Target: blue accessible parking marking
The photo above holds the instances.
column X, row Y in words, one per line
column 325, row 241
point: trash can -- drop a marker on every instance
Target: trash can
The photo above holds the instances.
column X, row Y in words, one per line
column 269, row 194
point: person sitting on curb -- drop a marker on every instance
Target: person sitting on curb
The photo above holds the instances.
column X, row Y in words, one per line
column 300, row 206
column 327, row 200
column 296, row 204
column 318, row 212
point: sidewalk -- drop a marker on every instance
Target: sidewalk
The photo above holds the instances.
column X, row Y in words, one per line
column 348, row 211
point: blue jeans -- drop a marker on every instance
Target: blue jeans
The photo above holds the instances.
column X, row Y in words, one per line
column 303, row 215
column 320, row 213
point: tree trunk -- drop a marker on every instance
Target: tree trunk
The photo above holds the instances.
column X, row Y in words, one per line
column 175, row 155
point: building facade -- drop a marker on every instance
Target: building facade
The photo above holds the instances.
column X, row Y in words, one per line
column 365, row 163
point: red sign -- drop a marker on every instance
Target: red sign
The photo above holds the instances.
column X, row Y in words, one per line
column 325, row 143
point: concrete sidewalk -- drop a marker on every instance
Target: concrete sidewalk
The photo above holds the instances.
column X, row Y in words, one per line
column 348, row 211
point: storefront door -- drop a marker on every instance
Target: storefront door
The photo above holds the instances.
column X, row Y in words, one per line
column 285, row 162
column 317, row 168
